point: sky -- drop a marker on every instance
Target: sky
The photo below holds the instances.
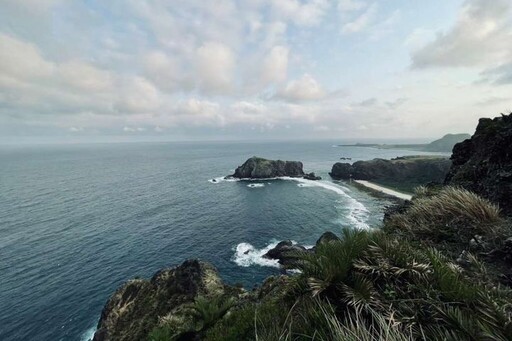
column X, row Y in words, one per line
column 133, row 70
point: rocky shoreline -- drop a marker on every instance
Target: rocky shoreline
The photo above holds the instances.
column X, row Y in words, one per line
column 441, row 262
column 403, row 172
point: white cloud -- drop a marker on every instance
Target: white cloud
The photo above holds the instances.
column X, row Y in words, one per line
column 163, row 70
column 22, row 60
column 137, row 95
column 482, row 35
column 362, row 22
column 215, row 67
column 307, row 13
column 305, row 88
column 84, row 76
column 351, row 5
column 275, row 65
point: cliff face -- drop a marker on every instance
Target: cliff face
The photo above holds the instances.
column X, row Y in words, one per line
column 483, row 164
column 414, row 170
column 136, row 308
column 259, row 168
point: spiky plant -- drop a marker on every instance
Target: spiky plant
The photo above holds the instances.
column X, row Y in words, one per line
column 452, row 214
column 207, row 311
column 389, row 259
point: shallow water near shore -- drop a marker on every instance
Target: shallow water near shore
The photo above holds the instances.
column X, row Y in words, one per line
column 77, row 221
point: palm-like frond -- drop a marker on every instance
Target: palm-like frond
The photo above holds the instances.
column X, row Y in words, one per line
column 207, row 311
column 332, row 262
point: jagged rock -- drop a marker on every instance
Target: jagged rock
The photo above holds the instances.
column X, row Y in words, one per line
column 312, row 176
column 326, row 237
column 259, row 168
column 483, row 164
column 478, row 243
column 398, row 208
column 136, row 307
column 284, row 251
column 407, row 169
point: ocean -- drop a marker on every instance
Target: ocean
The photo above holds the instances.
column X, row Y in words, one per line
column 76, row 221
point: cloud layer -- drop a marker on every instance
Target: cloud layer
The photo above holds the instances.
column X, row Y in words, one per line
column 256, row 68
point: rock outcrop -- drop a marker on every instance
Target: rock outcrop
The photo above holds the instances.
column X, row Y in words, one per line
column 138, row 306
column 286, row 250
column 483, row 164
column 311, row 176
column 415, row 170
column 259, row 168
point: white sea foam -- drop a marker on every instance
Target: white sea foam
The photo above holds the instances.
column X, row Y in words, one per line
column 256, row 185
column 247, row 255
column 357, row 213
column 222, row 179
column 88, row 334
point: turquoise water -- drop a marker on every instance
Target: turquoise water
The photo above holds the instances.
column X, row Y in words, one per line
column 77, row 221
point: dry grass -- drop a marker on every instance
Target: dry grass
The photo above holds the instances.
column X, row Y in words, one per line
column 450, row 213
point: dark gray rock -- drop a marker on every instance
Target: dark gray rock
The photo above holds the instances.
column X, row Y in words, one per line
column 285, row 252
column 414, row 170
column 483, row 164
column 259, row 168
column 136, row 307
column 326, row 237
column 312, row 176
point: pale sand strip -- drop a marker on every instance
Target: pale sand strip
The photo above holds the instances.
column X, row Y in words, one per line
column 384, row 190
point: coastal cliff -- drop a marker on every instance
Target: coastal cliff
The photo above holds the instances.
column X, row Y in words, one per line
column 438, row 269
column 136, row 308
column 407, row 171
column 483, row 164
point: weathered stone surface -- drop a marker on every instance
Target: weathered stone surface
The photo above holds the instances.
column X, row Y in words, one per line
column 483, row 164
column 135, row 308
column 259, row 168
column 414, row 169
column 312, row 176
column 284, row 252
column 326, row 237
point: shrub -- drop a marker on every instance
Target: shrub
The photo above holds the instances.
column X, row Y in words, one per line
column 452, row 214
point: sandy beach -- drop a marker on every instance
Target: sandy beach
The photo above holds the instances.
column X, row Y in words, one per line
column 384, row 190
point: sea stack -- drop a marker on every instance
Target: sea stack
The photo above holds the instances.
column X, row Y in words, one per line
column 260, row 168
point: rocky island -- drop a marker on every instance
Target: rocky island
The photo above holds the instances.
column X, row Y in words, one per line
column 404, row 172
column 260, row 168
column 438, row 269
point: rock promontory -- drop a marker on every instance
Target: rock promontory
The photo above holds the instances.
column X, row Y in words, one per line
column 140, row 305
column 260, row 168
column 483, row 164
column 406, row 171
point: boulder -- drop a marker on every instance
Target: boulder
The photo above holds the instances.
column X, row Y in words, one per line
column 284, row 252
column 326, row 237
column 312, row 176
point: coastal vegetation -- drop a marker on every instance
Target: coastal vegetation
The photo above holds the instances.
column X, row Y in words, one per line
column 438, row 269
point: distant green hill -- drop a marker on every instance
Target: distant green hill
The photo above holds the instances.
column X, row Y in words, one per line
column 446, row 143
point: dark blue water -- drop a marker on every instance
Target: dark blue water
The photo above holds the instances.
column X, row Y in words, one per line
column 77, row 221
